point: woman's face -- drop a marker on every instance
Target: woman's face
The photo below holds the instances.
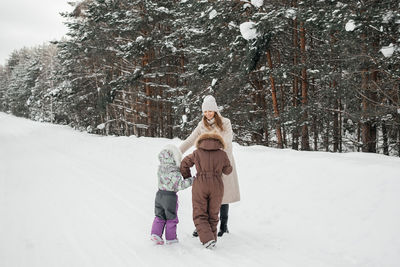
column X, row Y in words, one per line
column 209, row 114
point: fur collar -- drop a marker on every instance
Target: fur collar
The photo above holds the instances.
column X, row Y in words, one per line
column 211, row 135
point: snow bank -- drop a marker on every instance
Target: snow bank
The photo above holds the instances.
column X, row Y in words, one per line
column 73, row 199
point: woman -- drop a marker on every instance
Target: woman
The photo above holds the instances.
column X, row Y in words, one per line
column 213, row 121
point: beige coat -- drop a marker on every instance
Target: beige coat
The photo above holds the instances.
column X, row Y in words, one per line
column 231, row 183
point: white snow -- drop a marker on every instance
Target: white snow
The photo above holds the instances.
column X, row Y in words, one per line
column 340, row 4
column 350, row 25
column 257, row 3
column 232, row 24
column 163, row 9
column 101, row 126
column 212, row 14
column 290, row 13
column 388, row 51
column 246, row 5
column 388, row 16
column 248, row 30
column 139, row 39
column 170, row 45
column 73, row 199
column 194, row 30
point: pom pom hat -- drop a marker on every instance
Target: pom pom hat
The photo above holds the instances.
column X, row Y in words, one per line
column 209, row 104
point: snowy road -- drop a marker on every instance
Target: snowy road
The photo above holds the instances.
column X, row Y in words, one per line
column 73, row 199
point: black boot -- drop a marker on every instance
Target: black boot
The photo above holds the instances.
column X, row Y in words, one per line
column 223, row 228
column 195, row 234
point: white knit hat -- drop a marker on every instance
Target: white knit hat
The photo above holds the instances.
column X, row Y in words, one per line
column 209, row 104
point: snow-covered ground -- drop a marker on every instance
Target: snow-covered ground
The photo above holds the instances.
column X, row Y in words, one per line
column 72, row 199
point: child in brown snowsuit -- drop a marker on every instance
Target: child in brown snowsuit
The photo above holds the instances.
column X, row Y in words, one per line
column 207, row 190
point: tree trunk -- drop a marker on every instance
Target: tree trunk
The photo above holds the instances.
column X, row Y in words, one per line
column 385, row 139
column 295, row 133
column 148, row 93
column 304, row 94
column 340, row 126
column 148, row 108
column 369, row 98
column 135, row 108
column 315, row 132
column 368, row 127
column 396, row 130
column 358, row 136
column 327, row 136
column 336, row 127
column 265, row 126
column 398, row 142
column 282, row 87
column 314, row 119
column 275, row 102
column 365, row 123
column 107, row 120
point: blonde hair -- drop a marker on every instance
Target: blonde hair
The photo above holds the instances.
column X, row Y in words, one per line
column 218, row 122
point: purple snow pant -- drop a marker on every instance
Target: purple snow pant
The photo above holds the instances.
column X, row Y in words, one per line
column 166, row 211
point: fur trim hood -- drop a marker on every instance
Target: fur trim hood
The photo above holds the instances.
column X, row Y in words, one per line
column 213, row 136
column 170, row 154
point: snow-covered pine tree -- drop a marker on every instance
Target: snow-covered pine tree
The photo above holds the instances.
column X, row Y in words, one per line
column 370, row 27
column 134, row 60
column 44, row 101
column 22, row 78
column 3, row 88
column 143, row 67
column 87, row 58
column 213, row 48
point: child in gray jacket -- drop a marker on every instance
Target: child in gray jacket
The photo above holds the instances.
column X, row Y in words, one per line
column 170, row 181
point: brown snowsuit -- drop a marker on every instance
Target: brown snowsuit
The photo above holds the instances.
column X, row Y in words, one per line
column 207, row 189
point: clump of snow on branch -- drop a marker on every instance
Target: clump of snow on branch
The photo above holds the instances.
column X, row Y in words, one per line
column 290, row 13
column 184, row 118
column 213, row 14
column 388, row 16
column 248, row 30
column 350, row 25
column 388, row 51
column 257, row 3
column 101, row 126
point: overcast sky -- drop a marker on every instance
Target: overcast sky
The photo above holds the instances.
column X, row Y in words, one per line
column 27, row 23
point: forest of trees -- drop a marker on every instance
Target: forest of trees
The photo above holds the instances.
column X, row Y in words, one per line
column 317, row 75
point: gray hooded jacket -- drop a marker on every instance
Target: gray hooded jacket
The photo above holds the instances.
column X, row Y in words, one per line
column 169, row 175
